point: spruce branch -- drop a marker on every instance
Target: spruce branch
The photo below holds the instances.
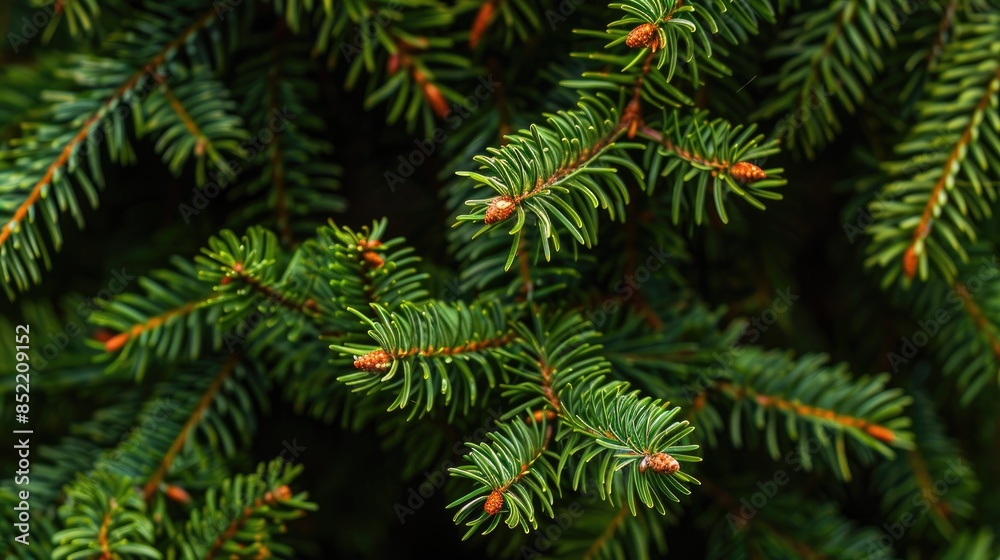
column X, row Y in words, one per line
column 197, row 415
column 812, row 401
column 216, row 411
column 559, row 174
column 426, row 341
column 682, row 30
column 831, row 50
column 296, row 182
column 555, row 351
column 937, row 31
column 245, row 515
column 347, row 269
column 83, row 18
column 944, row 181
column 31, row 191
column 119, row 340
column 511, row 472
column 912, row 476
column 246, row 276
column 719, row 155
column 163, row 322
column 405, row 57
column 635, row 439
column 968, row 346
column 105, row 518
column 200, row 106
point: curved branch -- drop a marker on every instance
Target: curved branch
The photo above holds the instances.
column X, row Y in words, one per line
column 85, row 130
column 196, row 416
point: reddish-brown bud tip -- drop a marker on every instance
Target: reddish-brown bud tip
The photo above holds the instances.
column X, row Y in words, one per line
column 661, row 463
column 437, row 101
column 116, row 342
column 373, row 259
column 177, row 494
column 375, row 361
column 645, row 35
column 481, row 23
column 102, row 335
column 881, row 433
column 494, row 503
column 539, row 415
column 500, row 209
column 910, row 261
column 746, row 172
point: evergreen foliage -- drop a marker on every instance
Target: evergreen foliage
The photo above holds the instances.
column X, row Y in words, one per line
column 581, row 282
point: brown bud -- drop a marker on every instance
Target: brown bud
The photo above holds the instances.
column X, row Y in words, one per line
column 494, row 502
column 374, row 361
column 102, row 335
column 910, row 261
column 283, row 492
column 373, row 258
column 177, row 494
column 500, row 209
column 437, row 101
column 116, row 342
column 746, row 172
column 632, row 117
column 646, row 35
column 480, row 24
column 661, row 463
column 539, row 415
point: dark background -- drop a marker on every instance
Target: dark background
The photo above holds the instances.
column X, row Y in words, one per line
column 799, row 242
